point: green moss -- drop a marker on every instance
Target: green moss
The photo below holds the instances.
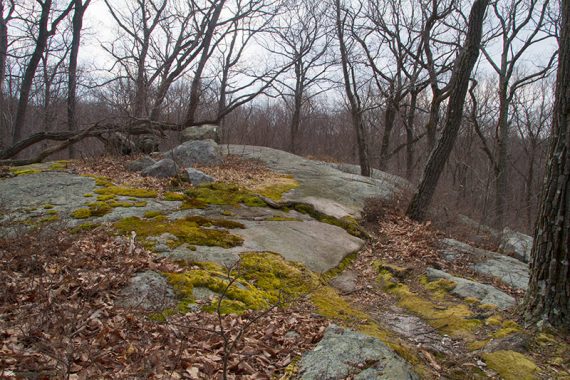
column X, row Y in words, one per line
column 471, row 300
column 59, row 165
column 88, row 195
column 152, row 214
column 347, row 223
column 455, row 320
column 114, row 203
column 508, row 327
column 104, row 198
column 127, row 192
column 51, row 212
column 219, row 193
column 48, row 206
column 283, row 219
column 494, row 320
column 511, row 365
column 209, row 222
column 87, row 226
column 99, row 180
column 440, row 288
column 171, row 196
column 477, row 345
column 345, row 263
column 279, row 187
column 48, row 219
column 186, row 231
column 81, row 213
column 24, row 171
column 99, row 208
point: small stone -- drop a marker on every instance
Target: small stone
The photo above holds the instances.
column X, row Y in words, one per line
column 205, row 152
column 140, row 164
column 201, row 132
column 196, row 177
column 148, row 291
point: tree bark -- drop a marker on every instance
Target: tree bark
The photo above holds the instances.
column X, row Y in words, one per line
column 459, row 84
column 410, row 119
column 389, row 118
column 3, row 55
column 77, row 26
column 548, row 296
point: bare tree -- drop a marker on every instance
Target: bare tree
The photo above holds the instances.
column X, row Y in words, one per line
column 519, row 26
column 548, row 296
column 350, row 87
column 459, row 83
column 46, row 29
column 5, row 16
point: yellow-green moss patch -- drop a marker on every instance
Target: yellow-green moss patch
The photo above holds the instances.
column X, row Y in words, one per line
column 220, row 193
column 81, row 213
column 345, row 262
column 104, row 198
column 276, row 218
column 87, row 226
column 186, row 231
column 99, row 180
column 152, row 214
column 508, row 327
column 511, row 365
column 454, row 319
column 59, row 165
column 277, row 187
column 172, row 196
column 24, row 171
column 347, row 223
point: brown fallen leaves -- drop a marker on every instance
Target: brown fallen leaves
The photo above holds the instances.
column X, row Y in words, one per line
column 58, row 319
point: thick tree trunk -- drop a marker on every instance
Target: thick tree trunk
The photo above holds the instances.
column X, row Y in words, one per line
column 548, row 296
column 459, row 83
column 410, row 119
column 77, row 26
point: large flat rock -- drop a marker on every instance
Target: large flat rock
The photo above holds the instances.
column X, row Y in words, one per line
column 318, row 246
column 330, row 190
column 343, row 354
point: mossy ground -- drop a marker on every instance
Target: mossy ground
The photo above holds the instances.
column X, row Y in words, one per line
column 511, row 365
column 187, row 231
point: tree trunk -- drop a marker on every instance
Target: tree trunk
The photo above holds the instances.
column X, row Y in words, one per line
column 355, row 107
column 389, row 118
column 548, row 295
column 459, row 83
column 501, row 185
column 3, row 53
column 77, row 26
column 410, row 119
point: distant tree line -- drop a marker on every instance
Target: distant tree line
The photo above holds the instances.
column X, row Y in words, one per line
column 363, row 81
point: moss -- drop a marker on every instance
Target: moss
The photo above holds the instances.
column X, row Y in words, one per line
column 81, row 213
column 152, row 214
column 511, row 365
column 508, row 327
column 277, row 187
column 114, row 203
column 104, row 198
column 207, row 222
column 48, row 206
column 345, row 263
column 24, row 171
column 276, row 218
column 99, row 208
column 51, row 212
column 99, row 180
column 494, row 320
column 477, row 345
column 87, row 226
column 227, row 213
column 186, row 231
column 440, row 288
column 455, row 320
column 471, row 300
column 171, row 196
column 59, row 165
column 48, row 219
column 126, row 192
column 347, row 223
column 262, row 279
column 220, row 193
column 487, row 306
column 88, row 195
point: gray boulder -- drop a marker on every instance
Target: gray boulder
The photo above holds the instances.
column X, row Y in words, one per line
column 148, row 144
column 162, row 169
column 345, row 282
column 466, row 288
column 345, row 354
column 516, row 244
column 206, row 152
column 148, row 291
column 201, row 132
column 196, row 177
column 140, row 164
column 507, row 269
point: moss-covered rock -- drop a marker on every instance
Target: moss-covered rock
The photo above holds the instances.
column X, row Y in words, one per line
column 186, row 231
column 511, row 365
column 126, row 191
column 220, row 193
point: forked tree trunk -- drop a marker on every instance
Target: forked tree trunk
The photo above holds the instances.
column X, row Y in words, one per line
column 548, row 295
column 459, row 83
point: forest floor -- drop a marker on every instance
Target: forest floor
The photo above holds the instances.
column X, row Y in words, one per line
column 59, row 317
